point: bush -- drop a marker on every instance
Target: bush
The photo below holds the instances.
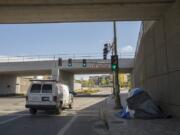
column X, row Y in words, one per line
column 88, row 91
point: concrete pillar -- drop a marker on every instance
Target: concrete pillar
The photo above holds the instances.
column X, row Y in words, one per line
column 67, row 78
column 7, row 84
column 18, row 85
column 55, row 74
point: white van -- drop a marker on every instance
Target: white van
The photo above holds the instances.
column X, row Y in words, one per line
column 48, row 95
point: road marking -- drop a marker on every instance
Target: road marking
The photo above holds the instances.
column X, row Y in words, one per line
column 66, row 127
column 9, row 111
column 13, row 105
column 9, row 120
column 21, row 114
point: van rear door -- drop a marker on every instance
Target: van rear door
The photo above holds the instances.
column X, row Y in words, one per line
column 42, row 94
column 47, row 93
column 35, row 93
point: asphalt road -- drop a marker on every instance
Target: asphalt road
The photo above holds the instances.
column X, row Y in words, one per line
column 16, row 120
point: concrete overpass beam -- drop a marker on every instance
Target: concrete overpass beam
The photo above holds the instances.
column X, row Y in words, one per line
column 70, row 11
column 8, row 84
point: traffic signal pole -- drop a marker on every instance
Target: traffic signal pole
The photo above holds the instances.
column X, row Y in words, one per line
column 116, row 73
column 113, row 77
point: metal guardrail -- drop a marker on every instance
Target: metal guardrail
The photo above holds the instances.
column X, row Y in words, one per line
column 5, row 59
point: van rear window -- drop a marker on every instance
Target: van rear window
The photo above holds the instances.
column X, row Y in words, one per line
column 47, row 88
column 36, row 88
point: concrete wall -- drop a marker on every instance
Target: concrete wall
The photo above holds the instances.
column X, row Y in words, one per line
column 7, row 84
column 157, row 63
column 23, row 84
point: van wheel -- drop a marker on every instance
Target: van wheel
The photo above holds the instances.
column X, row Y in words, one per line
column 59, row 109
column 32, row 111
column 70, row 106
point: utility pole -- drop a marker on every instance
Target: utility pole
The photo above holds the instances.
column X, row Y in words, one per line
column 113, row 72
column 116, row 72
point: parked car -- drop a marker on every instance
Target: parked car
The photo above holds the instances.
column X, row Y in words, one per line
column 48, row 95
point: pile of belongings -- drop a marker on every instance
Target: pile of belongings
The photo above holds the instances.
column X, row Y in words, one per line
column 140, row 105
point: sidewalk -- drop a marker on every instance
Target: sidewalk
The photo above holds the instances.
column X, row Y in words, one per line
column 119, row 126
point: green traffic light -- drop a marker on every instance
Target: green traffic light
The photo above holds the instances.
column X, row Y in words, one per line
column 84, row 65
column 69, row 62
column 69, row 65
column 84, row 62
column 114, row 67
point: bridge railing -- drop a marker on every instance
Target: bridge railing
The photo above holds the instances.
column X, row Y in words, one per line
column 4, row 59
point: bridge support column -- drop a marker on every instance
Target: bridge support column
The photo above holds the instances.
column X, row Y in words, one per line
column 8, row 84
column 55, row 74
column 67, row 78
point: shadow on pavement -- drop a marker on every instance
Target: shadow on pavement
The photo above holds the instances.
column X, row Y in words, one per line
column 50, row 124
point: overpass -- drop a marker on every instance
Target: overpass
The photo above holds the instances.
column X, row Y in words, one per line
column 157, row 65
column 25, row 11
column 10, row 70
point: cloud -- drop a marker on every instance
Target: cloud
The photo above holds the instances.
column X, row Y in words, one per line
column 127, row 49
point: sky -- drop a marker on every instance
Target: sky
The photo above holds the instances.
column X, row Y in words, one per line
column 65, row 38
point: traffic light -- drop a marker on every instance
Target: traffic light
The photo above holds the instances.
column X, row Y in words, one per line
column 60, row 62
column 84, row 63
column 69, row 62
column 105, row 51
column 114, row 62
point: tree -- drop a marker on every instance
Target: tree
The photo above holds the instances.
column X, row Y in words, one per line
column 91, row 83
column 103, row 81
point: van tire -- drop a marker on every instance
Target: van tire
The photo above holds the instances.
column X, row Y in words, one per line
column 59, row 109
column 70, row 106
column 32, row 111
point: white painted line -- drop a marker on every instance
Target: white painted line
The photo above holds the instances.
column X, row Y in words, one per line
column 9, row 120
column 11, row 111
column 21, row 114
column 13, row 106
column 124, row 91
column 66, row 127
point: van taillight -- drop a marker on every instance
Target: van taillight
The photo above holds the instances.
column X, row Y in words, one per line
column 26, row 98
column 54, row 98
